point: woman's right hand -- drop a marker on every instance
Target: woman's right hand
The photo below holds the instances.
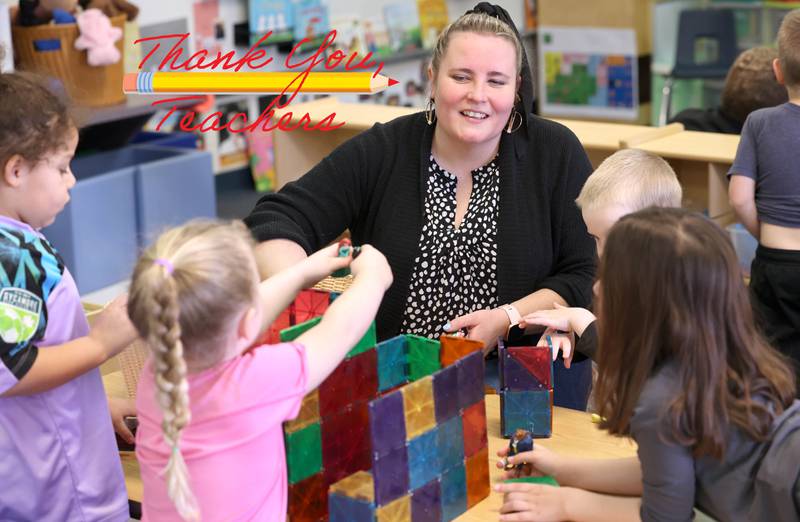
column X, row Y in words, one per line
column 542, row 462
column 370, row 262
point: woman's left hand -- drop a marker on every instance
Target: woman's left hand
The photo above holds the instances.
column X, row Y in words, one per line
column 484, row 325
column 533, row 502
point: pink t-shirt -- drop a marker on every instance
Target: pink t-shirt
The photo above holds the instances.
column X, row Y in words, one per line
column 233, row 445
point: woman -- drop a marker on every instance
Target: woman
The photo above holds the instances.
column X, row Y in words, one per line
column 472, row 201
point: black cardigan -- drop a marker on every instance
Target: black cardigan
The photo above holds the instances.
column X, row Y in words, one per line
column 374, row 185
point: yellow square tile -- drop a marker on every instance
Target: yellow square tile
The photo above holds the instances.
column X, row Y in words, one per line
column 358, row 485
column 309, row 413
column 418, row 407
column 395, row 511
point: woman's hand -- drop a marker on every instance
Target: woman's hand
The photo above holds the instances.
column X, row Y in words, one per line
column 322, row 263
column 484, row 325
column 119, row 409
column 533, row 502
column 542, row 462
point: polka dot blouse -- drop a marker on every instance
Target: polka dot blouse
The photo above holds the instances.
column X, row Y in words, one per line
column 456, row 270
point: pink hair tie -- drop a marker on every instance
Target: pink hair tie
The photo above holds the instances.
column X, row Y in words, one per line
column 166, row 263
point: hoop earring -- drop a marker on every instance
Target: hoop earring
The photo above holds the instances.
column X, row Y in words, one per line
column 514, row 122
column 430, row 114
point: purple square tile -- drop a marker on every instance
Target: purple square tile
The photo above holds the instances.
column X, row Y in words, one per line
column 390, row 474
column 445, row 393
column 387, row 424
column 470, row 379
column 426, row 503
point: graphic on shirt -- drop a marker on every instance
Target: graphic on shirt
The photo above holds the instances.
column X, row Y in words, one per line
column 19, row 315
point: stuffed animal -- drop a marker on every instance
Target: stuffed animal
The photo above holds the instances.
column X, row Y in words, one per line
column 112, row 8
column 97, row 38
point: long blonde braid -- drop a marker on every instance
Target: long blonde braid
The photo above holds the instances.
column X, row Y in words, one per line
column 186, row 291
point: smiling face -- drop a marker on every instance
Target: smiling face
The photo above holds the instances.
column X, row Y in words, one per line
column 474, row 88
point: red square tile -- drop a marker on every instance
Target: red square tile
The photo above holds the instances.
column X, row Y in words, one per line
column 362, row 374
column 346, row 446
column 310, row 304
column 474, row 422
column 477, row 477
column 308, row 499
column 335, row 392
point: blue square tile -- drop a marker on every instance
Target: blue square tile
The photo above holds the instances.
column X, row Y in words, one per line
column 347, row 509
column 528, row 410
column 392, row 363
column 445, row 393
column 426, row 503
column 387, row 424
column 470, row 379
column 451, row 444
column 390, row 474
column 423, row 459
column 454, row 492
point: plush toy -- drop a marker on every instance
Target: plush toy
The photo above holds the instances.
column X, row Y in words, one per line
column 112, row 8
column 97, row 38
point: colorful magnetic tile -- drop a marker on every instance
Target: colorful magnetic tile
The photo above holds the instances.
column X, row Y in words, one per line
column 346, row 509
column 418, row 407
column 538, row 360
column 470, row 379
column 309, row 413
column 426, row 503
column 308, row 500
column 367, row 342
column 445, row 393
column 335, row 392
column 423, row 459
column 423, row 356
column 454, row 492
column 528, row 410
column 474, row 423
column 477, row 467
column 392, row 365
column 390, row 473
column 387, row 424
column 273, row 333
column 359, row 485
column 397, row 511
column 547, row 480
column 362, row 374
column 346, row 442
column 293, row 332
column 450, row 439
column 303, row 453
column 516, row 377
column 310, row 304
column 454, row 348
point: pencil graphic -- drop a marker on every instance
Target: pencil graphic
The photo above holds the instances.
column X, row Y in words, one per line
column 253, row 82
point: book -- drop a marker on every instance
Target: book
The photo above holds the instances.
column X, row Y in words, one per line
column 402, row 24
column 271, row 15
column 310, row 21
column 432, row 20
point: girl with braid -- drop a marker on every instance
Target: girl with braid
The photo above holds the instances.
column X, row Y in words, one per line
column 210, row 401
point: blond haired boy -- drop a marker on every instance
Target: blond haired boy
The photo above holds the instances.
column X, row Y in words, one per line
column 627, row 181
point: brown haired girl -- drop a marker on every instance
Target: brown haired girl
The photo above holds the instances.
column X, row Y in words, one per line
column 211, row 404
column 684, row 372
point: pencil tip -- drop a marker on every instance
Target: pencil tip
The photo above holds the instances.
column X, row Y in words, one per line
column 392, row 81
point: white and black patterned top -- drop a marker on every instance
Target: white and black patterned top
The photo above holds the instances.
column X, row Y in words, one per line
column 455, row 272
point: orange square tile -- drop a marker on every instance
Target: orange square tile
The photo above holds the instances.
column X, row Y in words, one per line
column 418, row 407
column 396, row 511
column 309, row 413
column 454, row 348
column 477, row 477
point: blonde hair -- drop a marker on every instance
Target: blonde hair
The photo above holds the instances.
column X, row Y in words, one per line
column 634, row 179
column 479, row 23
column 187, row 290
column 789, row 50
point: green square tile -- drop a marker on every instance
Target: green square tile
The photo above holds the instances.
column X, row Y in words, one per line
column 293, row 332
column 369, row 340
column 423, row 357
column 303, row 453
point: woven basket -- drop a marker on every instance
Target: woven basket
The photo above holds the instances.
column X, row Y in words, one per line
column 87, row 85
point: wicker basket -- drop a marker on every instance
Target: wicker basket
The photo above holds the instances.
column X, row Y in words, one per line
column 87, row 85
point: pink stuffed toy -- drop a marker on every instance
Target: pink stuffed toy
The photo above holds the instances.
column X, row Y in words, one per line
column 98, row 37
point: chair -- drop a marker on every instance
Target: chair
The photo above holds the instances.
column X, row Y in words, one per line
column 717, row 28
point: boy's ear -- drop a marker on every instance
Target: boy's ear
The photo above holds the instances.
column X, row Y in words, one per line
column 776, row 68
column 249, row 325
column 14, row 170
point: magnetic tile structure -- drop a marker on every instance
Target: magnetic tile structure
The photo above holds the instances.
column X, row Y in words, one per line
column 396, row 433
column 526, row 389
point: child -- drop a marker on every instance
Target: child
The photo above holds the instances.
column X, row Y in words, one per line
column 764, row 192
column 684, row 372
column 627, row 181
column 210, row 405
column 59, row 458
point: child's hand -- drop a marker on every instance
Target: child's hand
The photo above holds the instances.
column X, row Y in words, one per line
column 322, row 263
column 533, row 502
column 565, row 342
column 561, row 318
column 370, row 262
column 112, row 328
column 543, row 462
column 119, row 409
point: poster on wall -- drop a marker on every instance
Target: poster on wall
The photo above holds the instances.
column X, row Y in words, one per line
column 588, row 72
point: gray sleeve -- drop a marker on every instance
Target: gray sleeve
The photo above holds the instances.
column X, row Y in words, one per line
column 746, row 162
column 668, row 474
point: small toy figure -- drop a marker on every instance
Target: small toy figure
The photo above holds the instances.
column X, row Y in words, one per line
column 520, row 442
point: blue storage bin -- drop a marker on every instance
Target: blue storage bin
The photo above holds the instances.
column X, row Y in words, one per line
column 183, row 140
column 744, row 244
column 121, row 200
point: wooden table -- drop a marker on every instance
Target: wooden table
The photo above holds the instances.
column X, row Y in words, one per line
column 573, row 433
